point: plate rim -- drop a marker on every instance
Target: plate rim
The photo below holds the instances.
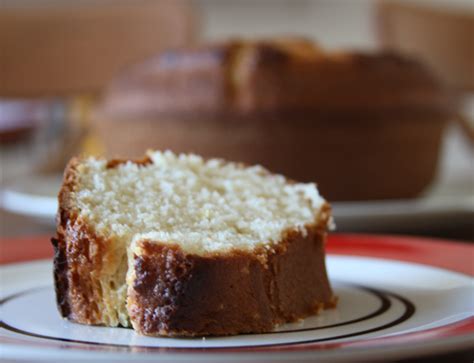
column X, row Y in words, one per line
column 387, row 351
column 457, row 336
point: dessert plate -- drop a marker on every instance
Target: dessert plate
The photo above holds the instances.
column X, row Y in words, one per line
column 398, row 297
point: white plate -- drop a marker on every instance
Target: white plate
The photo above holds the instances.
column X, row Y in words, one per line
column 379, row 300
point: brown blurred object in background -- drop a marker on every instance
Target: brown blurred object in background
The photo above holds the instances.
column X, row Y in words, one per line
column 363, row 126
column 62, row 54
column 441, row 33
column 53, row 47
column 18, row 119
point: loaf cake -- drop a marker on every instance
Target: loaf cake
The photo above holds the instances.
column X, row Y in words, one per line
column 355, row 121
column 176, row 245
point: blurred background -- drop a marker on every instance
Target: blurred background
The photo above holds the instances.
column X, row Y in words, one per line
column 64, row 68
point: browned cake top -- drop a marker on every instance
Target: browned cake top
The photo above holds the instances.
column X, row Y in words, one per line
column 272, row 76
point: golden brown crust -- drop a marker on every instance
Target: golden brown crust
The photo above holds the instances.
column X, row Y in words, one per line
column 116, row 162
column 61, row 266
column 271, row 77
column 61, row 282
column 78, row 259
column 176, row 294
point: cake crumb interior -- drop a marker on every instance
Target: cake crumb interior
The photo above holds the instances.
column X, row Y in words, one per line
column 204, row 206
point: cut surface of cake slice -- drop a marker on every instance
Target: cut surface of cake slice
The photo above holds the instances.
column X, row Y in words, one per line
column 175, row 245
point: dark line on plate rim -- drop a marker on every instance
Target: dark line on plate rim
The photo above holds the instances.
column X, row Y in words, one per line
column 385, row 305
column 21, row 293
column 407, row 314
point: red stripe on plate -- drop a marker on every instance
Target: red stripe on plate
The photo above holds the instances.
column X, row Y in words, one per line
column 25, row 249
column 456, row 256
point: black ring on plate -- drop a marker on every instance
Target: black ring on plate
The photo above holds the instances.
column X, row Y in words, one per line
column 381, row 294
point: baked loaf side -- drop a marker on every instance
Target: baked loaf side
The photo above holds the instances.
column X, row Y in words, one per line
column 175, row 245
column 89, row 266
column 280, row 76
column 171, row 293
column 375, row 116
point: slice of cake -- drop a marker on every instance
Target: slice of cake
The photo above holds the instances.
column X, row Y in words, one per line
column 180, row 246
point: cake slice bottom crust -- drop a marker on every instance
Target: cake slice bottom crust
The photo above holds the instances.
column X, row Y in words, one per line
column 174, row 294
